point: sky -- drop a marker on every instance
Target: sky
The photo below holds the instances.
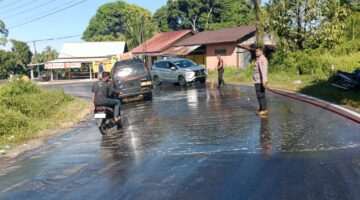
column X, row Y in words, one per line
column 68, row 22
column 20, row 17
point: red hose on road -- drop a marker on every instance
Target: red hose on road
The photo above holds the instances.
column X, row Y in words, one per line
column 319, row 104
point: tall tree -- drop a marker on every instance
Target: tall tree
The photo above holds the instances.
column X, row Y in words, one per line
column 120, row 21
column 21, row 55
column 257, row 7
column 300, row 24
column 7, row 63
column 3, row 33
column 185, row 14
column 49, row 54
column 232, row 13
column 200, row 15
column 160, row 18
column 21, row 52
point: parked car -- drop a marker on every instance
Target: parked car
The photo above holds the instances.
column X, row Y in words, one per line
column 178, row 70
column 132, row 78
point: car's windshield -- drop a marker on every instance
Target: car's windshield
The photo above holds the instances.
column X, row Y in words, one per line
column 184, row 63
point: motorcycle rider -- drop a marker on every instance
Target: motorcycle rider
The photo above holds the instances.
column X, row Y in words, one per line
column 101, row 95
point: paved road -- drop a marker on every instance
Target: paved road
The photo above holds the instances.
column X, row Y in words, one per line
column 197, row 143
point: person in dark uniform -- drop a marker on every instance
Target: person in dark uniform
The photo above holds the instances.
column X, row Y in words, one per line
column 260, row 79
column 220, row 68
column 101, row 95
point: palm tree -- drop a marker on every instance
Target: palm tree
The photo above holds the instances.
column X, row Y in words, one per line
column 257, row 4
column 3, row 33
column 50, row 54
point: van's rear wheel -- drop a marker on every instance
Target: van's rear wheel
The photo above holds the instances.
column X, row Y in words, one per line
column 182, row 81
column 157, row 80
column 147, row 96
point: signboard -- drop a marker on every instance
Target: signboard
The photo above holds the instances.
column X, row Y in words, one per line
column 62, row 65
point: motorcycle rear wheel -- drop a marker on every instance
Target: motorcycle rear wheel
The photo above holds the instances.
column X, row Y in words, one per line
column 104, row 129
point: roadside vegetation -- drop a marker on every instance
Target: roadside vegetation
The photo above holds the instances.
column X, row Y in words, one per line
column 28, row 111
column 311, row 36
column 307, row 72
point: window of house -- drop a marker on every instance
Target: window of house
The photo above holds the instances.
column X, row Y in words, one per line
column 221, row 52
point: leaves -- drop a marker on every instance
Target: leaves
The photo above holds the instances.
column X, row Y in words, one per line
column 22, row 53
column 48, row 54
column 3, row 33
column 118, row 21
column 301, row 24
column 200, row 15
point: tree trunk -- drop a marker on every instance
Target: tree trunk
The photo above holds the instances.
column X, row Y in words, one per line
column 299, row 36
column 207, row 18
column 194, row 24
column 257, row 4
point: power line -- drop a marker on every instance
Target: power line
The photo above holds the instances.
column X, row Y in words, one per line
column 29, row 21
column 30, row 9
column 21, row 6
column 50, row 39
column 10, row 4
column 48, row 10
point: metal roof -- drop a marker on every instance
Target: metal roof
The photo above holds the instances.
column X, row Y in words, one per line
column 77, row 60
column 91, row 49
column 183, row 50
column 218, row 36
column 160, row 42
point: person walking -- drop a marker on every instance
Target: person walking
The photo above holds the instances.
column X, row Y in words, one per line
column 101, row 95
column 101, row 70
column 220, row 68
column 260, row 79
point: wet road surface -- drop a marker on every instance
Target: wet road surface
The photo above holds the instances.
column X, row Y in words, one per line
column 197, row 143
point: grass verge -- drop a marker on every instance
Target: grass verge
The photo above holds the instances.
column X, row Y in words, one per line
column 314, row 85
column 28, row 112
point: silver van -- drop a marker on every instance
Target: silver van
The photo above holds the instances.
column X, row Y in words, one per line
column 177, row 70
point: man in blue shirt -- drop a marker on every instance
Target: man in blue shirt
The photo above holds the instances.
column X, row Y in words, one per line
column 101, row 70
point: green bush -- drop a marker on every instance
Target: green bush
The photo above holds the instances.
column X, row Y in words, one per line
column 298, row 62
column 24, row 105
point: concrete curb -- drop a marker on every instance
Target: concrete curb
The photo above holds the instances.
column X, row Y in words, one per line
column 347, row 113
column 57, row 82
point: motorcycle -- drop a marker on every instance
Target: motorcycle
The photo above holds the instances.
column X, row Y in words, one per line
column 105, row 117
column 346, row 80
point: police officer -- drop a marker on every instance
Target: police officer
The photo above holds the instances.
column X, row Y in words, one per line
column 260, row 79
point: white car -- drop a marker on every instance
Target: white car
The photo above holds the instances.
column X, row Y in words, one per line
column 177, row 70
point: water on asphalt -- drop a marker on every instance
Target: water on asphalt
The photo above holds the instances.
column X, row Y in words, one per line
column 196, row 143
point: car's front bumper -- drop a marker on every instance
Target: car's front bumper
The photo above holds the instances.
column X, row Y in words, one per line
column 196, row 78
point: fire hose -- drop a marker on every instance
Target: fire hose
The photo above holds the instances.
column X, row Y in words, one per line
column 340, row 111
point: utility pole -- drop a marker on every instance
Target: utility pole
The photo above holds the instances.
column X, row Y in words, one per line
column 32, row 69
column 143, row 37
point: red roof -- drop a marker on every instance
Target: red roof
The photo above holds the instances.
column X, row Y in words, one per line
column 218, row 36
column 160, row 42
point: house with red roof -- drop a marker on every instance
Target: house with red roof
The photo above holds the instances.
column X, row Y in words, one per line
column 235, row 45
column 152, row 48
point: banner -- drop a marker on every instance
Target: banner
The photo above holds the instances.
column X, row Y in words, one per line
column 62, row 65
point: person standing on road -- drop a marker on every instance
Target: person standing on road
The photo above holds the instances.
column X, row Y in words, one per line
column 260, row 79
column 101, row 70
column 101, row 95
column 220, row 68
